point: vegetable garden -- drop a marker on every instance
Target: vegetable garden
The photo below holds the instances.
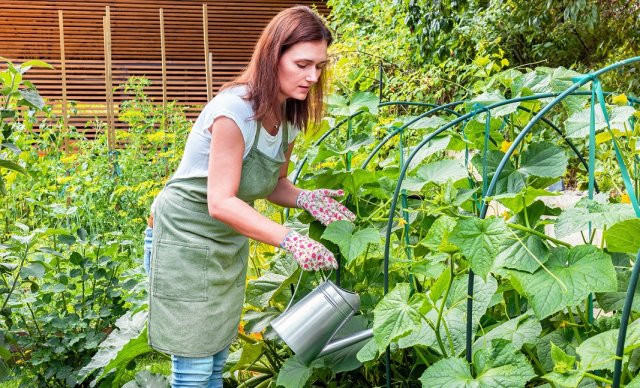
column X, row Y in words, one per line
column 471, row 268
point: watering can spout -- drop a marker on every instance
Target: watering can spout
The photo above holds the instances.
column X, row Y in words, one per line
column 342, row 343
column 309, row 325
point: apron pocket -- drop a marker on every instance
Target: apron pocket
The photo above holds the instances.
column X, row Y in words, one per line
column 179, row 271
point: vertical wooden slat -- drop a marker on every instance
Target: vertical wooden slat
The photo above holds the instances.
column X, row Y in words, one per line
column 205, row 27
column 210, row 72
column 63, row 70
column 109, row 80
column 163, row 54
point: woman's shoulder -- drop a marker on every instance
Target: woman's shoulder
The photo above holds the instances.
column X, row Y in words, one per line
column 235, row 94
column 232, row 99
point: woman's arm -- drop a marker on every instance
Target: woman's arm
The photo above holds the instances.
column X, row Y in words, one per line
column 285, row 193
column 225, row 166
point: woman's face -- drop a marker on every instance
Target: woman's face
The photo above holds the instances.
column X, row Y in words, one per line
column 299, row 69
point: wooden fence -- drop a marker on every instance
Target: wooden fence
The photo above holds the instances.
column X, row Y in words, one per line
column 186, row 48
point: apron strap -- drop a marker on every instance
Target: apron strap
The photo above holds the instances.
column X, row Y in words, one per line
column 285, row 132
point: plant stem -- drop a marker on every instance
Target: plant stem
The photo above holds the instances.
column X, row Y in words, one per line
column 524, row 210
column 598, row 378
column 35, row 322
column 536, row 361
column 15, row 280
column 539, row 234
column 573, row 327
column 444, row 300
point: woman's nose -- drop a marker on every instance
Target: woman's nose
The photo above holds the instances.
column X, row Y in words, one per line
column 313, row 74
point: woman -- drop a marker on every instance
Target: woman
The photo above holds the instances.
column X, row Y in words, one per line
column 238, row 151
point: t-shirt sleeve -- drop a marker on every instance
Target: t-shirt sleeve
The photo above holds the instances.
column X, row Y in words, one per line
column 228, row 105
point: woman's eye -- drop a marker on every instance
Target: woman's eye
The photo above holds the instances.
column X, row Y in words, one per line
column 301, row 66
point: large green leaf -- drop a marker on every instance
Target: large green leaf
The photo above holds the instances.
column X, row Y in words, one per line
column 509, row 181
column 567, row 278
column 499, row 365
column 543, row 159
column 364, row 100
column 596, row 211
column 130, row 351
column 126, row 342
column 9, row 165
column 438, row 232
column 32, row 98
column 294, row 373
column 352, row 242
column 250, row 354
column 518, row 331
column 260, row 291
column 397, row 314
column 624, row 236
column 430, row 122
column 494, row 97
column 442, row 171
column 599, row 351
column 340, row 106
column 521, row 251
column 256, row 321
column 516, row 202
column 558, row 80
column 353, row 144
column 454, row 315
column 614, row 301
column 578, row 124
column 479, row 240
column 354, row 180
column 36, row 63
column 435, row 145
column 448, row 372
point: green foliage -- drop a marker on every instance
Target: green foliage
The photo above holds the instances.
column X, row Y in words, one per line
column 71, row 258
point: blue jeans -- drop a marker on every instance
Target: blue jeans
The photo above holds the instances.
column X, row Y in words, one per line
column 201, row 372
column 148, row 240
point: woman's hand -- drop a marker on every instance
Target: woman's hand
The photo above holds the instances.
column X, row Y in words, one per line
column 321, row 205
column 310, row 254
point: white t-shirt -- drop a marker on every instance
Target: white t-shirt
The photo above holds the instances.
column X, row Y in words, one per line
column 228, row 103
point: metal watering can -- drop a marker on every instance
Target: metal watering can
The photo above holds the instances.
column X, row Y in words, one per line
column 309, row 325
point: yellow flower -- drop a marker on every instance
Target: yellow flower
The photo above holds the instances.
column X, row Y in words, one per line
column 624, row 198
column 482, row 61
column 620, row 99
column 504, row 147
column 157, row 136
column 64, row 179
column 69, row 158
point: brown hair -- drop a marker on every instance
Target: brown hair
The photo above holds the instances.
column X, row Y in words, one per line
column 287, row 28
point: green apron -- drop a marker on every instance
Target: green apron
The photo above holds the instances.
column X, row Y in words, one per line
column 199, row 264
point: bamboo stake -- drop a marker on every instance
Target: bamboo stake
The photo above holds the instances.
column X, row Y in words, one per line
column 205, row 27
column 106, row 76
column 164, row 60
column 210, row 69
column 163, row 54
column 109, row 80
column 63, row 70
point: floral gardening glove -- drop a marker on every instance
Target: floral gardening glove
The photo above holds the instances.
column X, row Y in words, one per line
column 310, row 254
column 321, row 205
